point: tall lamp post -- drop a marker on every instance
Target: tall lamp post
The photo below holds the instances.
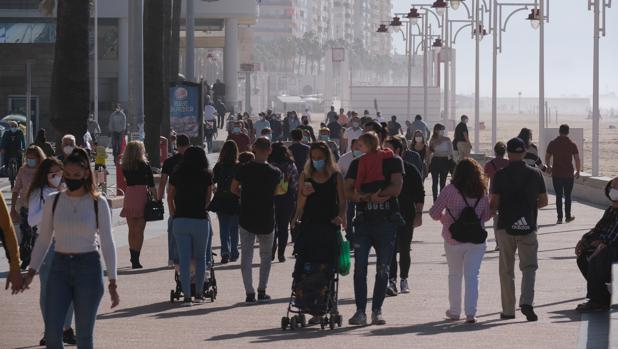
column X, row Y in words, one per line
column 499, row 25
column 479, row 32
column 599, row 7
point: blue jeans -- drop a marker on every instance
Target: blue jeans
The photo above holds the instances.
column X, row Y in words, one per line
column 191, row 236
column 77, row 279
column 379, row 233
column 228, row 231
column 563, row 188
column 44, row 277
column 171, row 245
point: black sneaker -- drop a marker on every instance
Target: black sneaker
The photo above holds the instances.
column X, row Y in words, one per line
column 281, row 259
column 68, row 337
column 263, row 297
column 391, row 288
column 234, row 259
column 225, row 260
column 559, row 221
column 42, row 342
column 250, row 298
column 504, row 316
column 570, row 219
column 528, row 311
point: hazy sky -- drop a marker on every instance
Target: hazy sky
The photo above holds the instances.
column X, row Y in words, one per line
column 568, row 52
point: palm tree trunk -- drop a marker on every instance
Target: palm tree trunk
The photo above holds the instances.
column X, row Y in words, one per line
column 167, row 60
column 70, row 92
column 153, row 77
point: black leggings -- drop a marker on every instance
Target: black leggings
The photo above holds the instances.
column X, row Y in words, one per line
column 404, row 241
column 439, row 171
column 284, row 209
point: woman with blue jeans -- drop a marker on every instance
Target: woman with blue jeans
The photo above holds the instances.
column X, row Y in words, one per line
column 285, row 199
column 188, row 199
column 225, row 204
column 79, row 221
column 46, row 182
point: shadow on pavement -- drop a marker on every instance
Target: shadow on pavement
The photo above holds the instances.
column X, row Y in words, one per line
column 438, row 327
column 198, row 310
column 139, row 310
column 129, row 271
column 277, row 334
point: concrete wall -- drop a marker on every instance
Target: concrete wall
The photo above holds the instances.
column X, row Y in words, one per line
column 393, row 101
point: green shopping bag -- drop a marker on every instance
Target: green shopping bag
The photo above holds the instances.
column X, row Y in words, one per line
column 344, row 256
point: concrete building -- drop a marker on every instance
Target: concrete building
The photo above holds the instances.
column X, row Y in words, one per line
column 25, row 34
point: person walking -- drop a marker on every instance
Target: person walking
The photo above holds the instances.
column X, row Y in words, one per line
column 169, row 167
column 41, row 142
column 256, row 183
column 93, row 127
column 189, row 195
column 78, row 220
column 441, row 156
column 300, row 151
column 491, row 168
column 344, row 164
column 221, row 111
column 285, row 198
column 596, row 253
column 10, row 243
column 67, row 145
column 140, row 183
column 461, row 141
column 47, row 181
column 518, row 192
column 19, row 201
column 394, row 127
column 12, row 144
column 225, row 203
column 420, row 125
column 411, row 201
column 336, row 131
column 331, row 115
column 532, row 152
column 242, row 140
column 373, row 182
column 324, row 136
column 563, row 151
column 117, row 127
column 464, row 251
column 261, row 124
column 419, row 145
column 351, row 133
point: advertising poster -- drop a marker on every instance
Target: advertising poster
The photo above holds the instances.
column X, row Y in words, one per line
column 185, row 110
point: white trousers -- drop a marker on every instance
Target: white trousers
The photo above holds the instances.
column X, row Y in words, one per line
column 464, row 260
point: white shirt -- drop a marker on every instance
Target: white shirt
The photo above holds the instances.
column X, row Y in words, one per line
column 73, row 227
column 88, row 140
column 345, row 161
column 380, row 119
column 209, row 113
column 35, row 205
column 351, row 134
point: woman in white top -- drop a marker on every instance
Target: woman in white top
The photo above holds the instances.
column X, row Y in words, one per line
column 441, row 155
column 78, row 220
column 46, row 182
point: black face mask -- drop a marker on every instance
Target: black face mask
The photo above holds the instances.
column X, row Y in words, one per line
column 74, row 184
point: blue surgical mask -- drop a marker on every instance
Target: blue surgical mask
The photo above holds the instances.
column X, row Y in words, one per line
column 357, row 153
column 32, row 162
column 355, row 124
column 13, row 129
column 324, row 138
column 236, row 130
column 319, row 164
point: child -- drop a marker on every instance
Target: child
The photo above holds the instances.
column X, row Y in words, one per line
column 99, row 162
column 370, row 178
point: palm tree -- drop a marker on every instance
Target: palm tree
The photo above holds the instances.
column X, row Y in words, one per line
column 154, row 76
column 70, row 87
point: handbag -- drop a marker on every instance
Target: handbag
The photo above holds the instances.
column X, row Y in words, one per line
column 343, row 265
column 154, row 210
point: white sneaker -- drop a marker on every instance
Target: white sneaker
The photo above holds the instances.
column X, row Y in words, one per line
column 199, row 300
column 403, row 286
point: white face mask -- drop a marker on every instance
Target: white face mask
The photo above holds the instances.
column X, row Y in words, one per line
column 55, row 181
column 441, row 133
column 418, row 139
column 613, row 194
column 67, row 150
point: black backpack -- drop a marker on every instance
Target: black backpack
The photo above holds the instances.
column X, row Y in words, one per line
column 468, row 227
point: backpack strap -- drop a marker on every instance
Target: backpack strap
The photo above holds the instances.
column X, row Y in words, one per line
column 55, row 203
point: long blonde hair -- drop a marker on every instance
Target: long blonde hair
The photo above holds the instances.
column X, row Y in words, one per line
column 134, row 155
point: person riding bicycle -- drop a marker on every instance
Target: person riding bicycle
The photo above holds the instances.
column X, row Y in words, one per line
column 12, row 144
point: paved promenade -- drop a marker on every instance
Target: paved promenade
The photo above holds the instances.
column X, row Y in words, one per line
column 146, row 319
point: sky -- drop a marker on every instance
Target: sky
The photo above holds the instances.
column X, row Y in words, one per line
column 568, row 52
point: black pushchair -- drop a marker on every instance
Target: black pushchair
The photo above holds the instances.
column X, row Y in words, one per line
column 315, row 284
column 210, row 284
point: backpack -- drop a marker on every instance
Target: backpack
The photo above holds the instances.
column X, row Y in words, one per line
column 96, row 208
column 468, row 227
column 518, row 221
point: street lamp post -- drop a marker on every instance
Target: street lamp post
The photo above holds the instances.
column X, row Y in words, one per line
column 599, row 8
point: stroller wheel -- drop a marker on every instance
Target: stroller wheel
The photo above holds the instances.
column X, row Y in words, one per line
column 172, row 297
column 303, row 320
column 284, row 323
column 293, row 323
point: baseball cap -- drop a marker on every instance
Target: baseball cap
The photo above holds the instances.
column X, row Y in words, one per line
column 516, row 145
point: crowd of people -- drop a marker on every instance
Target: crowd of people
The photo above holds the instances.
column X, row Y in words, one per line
column 277, row 177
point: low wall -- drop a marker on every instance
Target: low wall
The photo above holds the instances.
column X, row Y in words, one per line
column 587, row 188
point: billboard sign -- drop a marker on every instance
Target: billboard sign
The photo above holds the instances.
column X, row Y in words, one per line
column 185, row 108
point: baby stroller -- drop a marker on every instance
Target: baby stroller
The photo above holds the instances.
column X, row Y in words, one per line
column 210, row 284
column 315, row 284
